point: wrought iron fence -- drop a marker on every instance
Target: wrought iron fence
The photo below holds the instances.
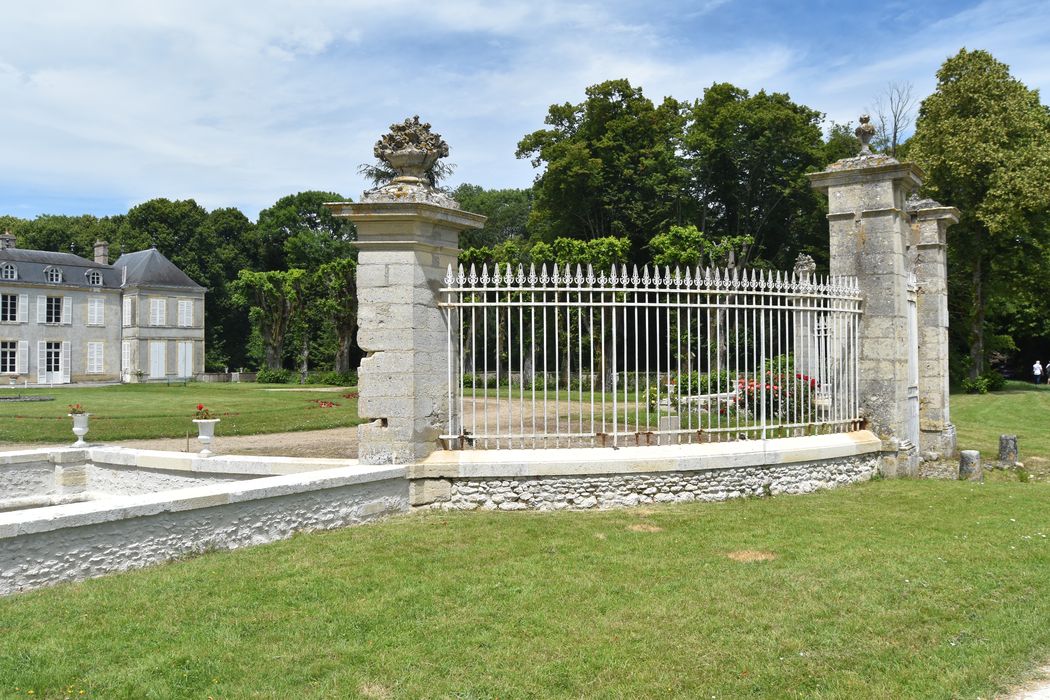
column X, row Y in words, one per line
column 576, row 358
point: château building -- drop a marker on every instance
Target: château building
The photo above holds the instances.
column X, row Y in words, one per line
column 64, row 318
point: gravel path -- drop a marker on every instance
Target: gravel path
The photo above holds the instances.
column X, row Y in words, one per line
column 336, row 443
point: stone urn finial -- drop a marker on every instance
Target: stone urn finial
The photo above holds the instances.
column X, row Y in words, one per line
column 865, row 132
column 804, row 266
column 410, row 149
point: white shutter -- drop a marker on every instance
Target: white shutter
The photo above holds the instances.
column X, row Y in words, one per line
column 125, row 359
column 95, row 312
column 126, row 317
column 67, row 311
column 41, row 362
column 65, row 361
column 41, row 309
column 23, row 308
column 22, row 361
column 94, row 358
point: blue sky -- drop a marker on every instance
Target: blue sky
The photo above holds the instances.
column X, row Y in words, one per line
column 239, row 103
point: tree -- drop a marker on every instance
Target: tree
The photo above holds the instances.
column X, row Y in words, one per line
column 983, row 139
column 507, row 211
column 336, row 283
column 687, row 246
column 748, row 156
column 894, row 111
column 299, row 231
column 279, row 296
column 610, row 166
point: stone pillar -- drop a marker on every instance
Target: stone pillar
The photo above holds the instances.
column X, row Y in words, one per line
column 870, row 233
column 930, row 222
column 407, row 236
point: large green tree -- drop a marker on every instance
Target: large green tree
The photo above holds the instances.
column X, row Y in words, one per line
column 299, row 231
column 276, row 298
column 747, row 156
column 507, row 211
column 983, row 139
column 610, row 166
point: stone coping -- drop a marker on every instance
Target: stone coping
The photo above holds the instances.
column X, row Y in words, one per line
column 469, row 464
column 108, row 456
column 46, row 519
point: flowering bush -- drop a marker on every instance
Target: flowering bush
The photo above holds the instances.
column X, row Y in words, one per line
column 784, row 394
column 76, row 409
column 202, row 413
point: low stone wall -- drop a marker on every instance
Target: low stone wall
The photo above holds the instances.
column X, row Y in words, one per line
column 49, row 545
column 553, row 493
column 581, row 479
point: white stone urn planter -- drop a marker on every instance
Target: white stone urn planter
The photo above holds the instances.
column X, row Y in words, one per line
column 80, row 427
column 205, row 434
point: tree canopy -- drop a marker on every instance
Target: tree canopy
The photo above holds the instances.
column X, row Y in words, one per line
column 983, row 139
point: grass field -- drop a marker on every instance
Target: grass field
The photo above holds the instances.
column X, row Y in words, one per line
column 892, row 589
column 1022, row 410
column 139, row 411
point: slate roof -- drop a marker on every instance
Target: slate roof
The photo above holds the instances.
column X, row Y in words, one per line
column 32, row 263
column 149, row 268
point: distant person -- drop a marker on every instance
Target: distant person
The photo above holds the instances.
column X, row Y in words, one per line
column 1037, row 372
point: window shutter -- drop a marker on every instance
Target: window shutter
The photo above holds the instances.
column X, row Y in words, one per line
column 41, row 309
column 67, row 311
column 22, row 361
column 126, row 315
column 65, row 359
column 23, row 308
column 41, row 362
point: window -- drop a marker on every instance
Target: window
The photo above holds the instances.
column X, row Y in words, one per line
column 96, row 312
column 94, row 358
column 53, row 310
column 157, row 359
column 158, row 312
column 94, row 278
column 8, row 356
column 185, row 312
column 125, row 358
column 8, row 272
column 127, row 311
column 8, row 308
column 53, row 275
column 184, row 357
column 53, row 357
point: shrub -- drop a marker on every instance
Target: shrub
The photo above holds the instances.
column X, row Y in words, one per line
column 274, row 376
column 339, row 378
column 975, row 386
column 996, row 381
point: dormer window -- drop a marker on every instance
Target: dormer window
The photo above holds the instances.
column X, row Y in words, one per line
column 8, row 272
column 53, row 275
column 94, row 278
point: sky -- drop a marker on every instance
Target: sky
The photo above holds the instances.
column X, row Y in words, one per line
column 238, row 103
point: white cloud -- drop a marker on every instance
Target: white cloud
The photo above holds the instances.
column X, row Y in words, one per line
column 240, row 103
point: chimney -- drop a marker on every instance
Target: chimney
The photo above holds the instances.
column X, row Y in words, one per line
column 102, row 252
column 7, row 240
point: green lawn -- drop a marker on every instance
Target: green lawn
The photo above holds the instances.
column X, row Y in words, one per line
column 892, row 589
column 1022, row 410
column 140, row 411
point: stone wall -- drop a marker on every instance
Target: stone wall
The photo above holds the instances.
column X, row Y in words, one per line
column 616, row 490
column 73, row 542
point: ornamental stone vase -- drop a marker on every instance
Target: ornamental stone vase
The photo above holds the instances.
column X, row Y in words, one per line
column 205, row 434
column 80, row 427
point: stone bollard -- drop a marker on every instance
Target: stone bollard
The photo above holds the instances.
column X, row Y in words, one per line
column 1007, row 451
column 970, row 465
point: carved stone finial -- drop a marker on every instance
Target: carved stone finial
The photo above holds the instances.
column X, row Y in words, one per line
column 410, row 149
column 865, row 132
column 804, row 265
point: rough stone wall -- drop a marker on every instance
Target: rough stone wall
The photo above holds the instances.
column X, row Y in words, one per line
column 27, row 478
column 165, row 532
column 130, row 481
column 610, row 491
